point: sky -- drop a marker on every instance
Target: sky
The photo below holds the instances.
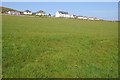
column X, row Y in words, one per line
column 103, row 10
column 60, row 0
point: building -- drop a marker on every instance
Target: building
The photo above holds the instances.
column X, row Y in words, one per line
column 80, row 17
column 64, row 14
column 85, row 18
column 91, row 18
column 61, row 14
column 97, row 19
column 27, row 12
column 40, row 13
column 13, row 13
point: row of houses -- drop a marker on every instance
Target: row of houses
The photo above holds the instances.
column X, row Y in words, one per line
column 88, row 18
column 26, row 12
column 60, row 14
column 67, row 15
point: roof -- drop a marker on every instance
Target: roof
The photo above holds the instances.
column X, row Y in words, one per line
column 91, row 17
column 27, row 11
column 41, row 11
column 80, row 16
column 62, row 12
column 84, row 16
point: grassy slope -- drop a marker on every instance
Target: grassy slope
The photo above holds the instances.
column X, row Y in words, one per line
column 4, row 9
column 48, row 47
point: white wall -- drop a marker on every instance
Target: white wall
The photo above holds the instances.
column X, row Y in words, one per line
column 97, row 19
column 27, row 13
column 71, row 16
column 80, row 17
column 42, row 14
column 63, row 15
column 91, row 19
column 9, row 12
column 58, row 15
column 85, row 18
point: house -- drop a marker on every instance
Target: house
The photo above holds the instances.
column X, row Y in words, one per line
column 61, row 14
column 27, row 12
column 40, row 13
column 21, row 13
column 49, row 15
column 91, row 18
column 72, row 16
column 13, row 13
column 85, row 18
column 80, row 17
column 64, row 14
column 97, row 19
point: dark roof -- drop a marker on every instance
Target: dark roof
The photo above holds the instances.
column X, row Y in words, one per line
column 63, row 12
column 41, row 11
column 27, row 11
column 92, row 17
column 80, row 16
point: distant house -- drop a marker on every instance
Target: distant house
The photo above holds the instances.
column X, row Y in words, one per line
column 27, row 12
column 49, row 15
column 13, row 13
column 63, row 14
column 85, row 18
column 97, row 19
column 41, row 13
column 91, row 18
column 21, row 13
column 74, row 16
column 80, row 17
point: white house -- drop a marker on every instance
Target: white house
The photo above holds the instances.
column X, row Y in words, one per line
column 80, row 17
column 27, row 12
column 85, row 18
column 63, row 14
column 41, row 13
column 72, row 16
column 91, row 18
column 97, row 19
column 13, row 13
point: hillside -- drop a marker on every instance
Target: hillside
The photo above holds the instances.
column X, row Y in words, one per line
column 36, row 47
column 4, row 9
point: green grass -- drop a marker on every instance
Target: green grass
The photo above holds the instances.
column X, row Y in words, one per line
column 59, row 48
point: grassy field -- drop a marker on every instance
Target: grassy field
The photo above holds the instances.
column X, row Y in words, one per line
column 59, row 48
